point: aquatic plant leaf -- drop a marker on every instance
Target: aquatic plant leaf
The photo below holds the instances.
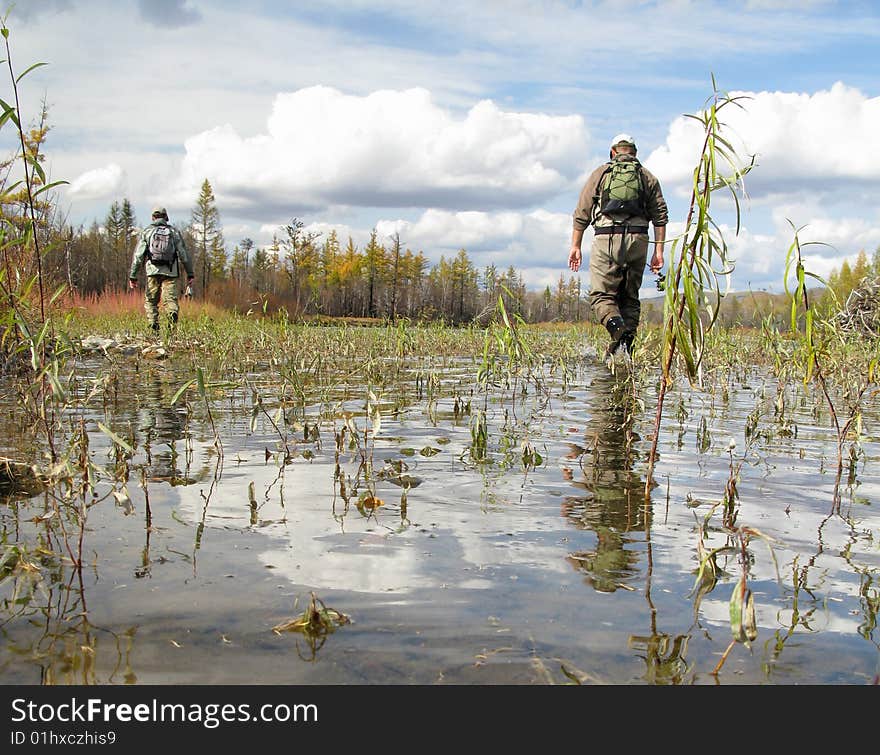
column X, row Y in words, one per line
column 123, row 500
column 405, row 481
column 114, row 437
column 377, row 422
column 743, row 624
column 570, row 674
column 29, row 68
column 369, row 501
column 180, row 391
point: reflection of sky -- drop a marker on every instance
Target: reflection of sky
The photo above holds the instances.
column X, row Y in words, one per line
column 447, row 536
column 473, row 530
column 830, row 616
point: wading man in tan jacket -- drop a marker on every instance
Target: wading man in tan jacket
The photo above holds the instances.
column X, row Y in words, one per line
column 162, row 251
column 619, row 205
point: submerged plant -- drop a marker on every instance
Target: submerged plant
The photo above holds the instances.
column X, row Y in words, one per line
column 315, row 623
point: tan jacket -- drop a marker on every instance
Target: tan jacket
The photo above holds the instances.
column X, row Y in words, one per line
column 586, row 212
column 141, row 257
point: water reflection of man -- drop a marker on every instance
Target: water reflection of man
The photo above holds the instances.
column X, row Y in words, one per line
column 613, row 502
column 160, row 427
column 614, row 506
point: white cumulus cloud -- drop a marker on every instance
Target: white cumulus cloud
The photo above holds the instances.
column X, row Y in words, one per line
column 99, row 183
column 512, row 237
column 388, row 148
column 801, row 141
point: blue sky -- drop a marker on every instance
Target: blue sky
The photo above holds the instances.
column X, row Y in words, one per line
column 457, row 123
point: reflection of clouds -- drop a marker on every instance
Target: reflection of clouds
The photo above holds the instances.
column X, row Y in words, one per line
column 317, row 540
column 584, row 516
column 795, row 522
column 769, row 617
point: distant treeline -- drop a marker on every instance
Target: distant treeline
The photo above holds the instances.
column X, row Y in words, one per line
column 308, row 274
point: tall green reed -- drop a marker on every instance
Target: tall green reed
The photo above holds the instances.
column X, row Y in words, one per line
column 816, row 334
column 700, row 258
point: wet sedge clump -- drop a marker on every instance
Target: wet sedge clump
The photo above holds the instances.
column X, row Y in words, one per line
column 316, row 621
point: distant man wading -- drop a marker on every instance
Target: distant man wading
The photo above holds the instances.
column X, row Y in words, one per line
column 619, row 199
column 162, row 248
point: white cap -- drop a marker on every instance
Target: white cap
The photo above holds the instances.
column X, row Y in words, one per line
column 623, row 138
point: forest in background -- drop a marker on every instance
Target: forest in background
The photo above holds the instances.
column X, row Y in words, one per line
column 311, row 275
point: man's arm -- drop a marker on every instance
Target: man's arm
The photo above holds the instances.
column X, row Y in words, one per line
column 659, row 240
column 574, row 254
column 658, row 212
column 138, row 261
column 183, row 255
column 583, row 217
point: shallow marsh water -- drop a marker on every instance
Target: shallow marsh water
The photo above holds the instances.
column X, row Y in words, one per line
column 542, row 564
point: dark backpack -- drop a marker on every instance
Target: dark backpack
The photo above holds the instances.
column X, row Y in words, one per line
column 162, row 250
column 621, row 190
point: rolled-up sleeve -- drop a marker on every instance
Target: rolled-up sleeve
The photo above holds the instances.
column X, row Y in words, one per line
column 583, row 213
column 658, row 212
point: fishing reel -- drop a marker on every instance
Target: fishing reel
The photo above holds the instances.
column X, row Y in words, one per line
column 661, row 282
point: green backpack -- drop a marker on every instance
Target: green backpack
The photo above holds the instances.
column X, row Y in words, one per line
column 622, row 189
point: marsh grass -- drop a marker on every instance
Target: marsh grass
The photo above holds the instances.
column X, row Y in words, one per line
column 343, row 385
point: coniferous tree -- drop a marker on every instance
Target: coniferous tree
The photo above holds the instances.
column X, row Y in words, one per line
column 300, row 262
column 562, row 298
column 413, row 270
column 464, row 287
column 115, row 246
column 260, row 270
column 350, row 265
column 374, row 268
column 128, row 238
column 238, row 265
column 218, row 260
column 845, row 282
column 395, row 273
column 861, row 269
column 329, row 273
column 209, row 252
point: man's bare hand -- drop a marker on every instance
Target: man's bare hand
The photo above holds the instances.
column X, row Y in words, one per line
column 574, row 258
column 656, row 264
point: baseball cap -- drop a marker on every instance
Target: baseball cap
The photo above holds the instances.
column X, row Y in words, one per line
column 160, row 211
column 623, row 139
